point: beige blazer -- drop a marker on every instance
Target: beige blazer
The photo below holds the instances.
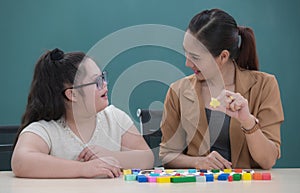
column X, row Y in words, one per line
column 184, row 125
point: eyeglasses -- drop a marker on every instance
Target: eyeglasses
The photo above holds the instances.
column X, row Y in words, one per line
column 99, row 82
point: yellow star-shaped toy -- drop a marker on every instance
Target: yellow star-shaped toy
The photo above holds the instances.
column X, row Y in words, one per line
column 214, row 102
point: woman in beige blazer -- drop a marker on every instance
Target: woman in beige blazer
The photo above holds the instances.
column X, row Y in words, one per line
column 227, row 114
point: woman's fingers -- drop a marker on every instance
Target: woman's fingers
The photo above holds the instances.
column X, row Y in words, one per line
column 217, row 161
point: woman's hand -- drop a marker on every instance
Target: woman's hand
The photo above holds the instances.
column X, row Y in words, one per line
column 236, row 106
column 213, row 161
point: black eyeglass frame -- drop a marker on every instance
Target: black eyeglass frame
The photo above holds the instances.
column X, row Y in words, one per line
column 99, row 82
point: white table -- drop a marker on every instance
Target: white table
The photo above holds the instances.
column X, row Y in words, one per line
column 283, row 180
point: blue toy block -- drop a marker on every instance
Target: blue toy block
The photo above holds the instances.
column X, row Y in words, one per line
column 209, row 177
column 154, row 174
column 135, row 171
column 192, row 171
column 142, row 178
column 223, row 177
column 203, row 171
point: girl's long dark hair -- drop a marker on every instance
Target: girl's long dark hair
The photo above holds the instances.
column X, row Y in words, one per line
column 46, row 100
column 218, row 31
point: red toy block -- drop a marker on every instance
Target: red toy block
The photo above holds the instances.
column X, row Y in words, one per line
column 266, row 176
column 230, row 178
column 238, row 170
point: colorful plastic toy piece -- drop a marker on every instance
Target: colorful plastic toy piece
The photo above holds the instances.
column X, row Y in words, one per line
column 215, row 170
column 158, row 171
column 228, row 171
column 238, row 170
column 203, row 171
column 246, row 176
column 180, row 171
column 209, row 177
column 214, row 102
column 127, row 171
column 200, row 178
column 169, row 171
column 135, row 171
column 154, row 174
column 223, row 177
column 216, row 176
column 237, row 177
column 256, row 176
column 151, row 179
column 266, row 176
column 130, row 177
column 142, row 178
column 192, row 171
column 163, row 179
column 230, row 178
column 182, row 179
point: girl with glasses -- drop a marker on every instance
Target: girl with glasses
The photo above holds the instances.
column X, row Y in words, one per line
column 69, row 129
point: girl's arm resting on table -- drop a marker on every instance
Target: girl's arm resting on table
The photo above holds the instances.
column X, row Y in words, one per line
column 31, row 159
column 135, row 153
column 135, row 150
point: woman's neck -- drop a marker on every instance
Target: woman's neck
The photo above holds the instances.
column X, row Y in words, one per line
column 227, row 77
column 228, row 73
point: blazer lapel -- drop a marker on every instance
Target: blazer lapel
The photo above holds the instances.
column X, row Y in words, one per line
column 196, row 117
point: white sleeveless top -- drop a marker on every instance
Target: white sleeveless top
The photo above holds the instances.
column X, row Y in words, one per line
column 111, row 124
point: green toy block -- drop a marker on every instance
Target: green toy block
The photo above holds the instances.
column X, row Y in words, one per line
column 183, row 179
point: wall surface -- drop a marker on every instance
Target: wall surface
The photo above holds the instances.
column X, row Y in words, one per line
column 142, row 59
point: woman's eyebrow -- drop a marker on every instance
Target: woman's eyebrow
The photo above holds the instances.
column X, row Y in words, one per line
column 192, row 54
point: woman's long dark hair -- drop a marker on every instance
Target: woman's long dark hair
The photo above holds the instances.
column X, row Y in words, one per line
column 218, row 31
column 46, row 100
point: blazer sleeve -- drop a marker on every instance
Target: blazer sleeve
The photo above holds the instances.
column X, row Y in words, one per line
column 270, row 112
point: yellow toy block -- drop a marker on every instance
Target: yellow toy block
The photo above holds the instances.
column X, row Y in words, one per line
column 214, row 102
column 163, row 179
column 246, row 176
column 216, row 176
column 227, row 171
column 169, row 171
column 126, row 172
